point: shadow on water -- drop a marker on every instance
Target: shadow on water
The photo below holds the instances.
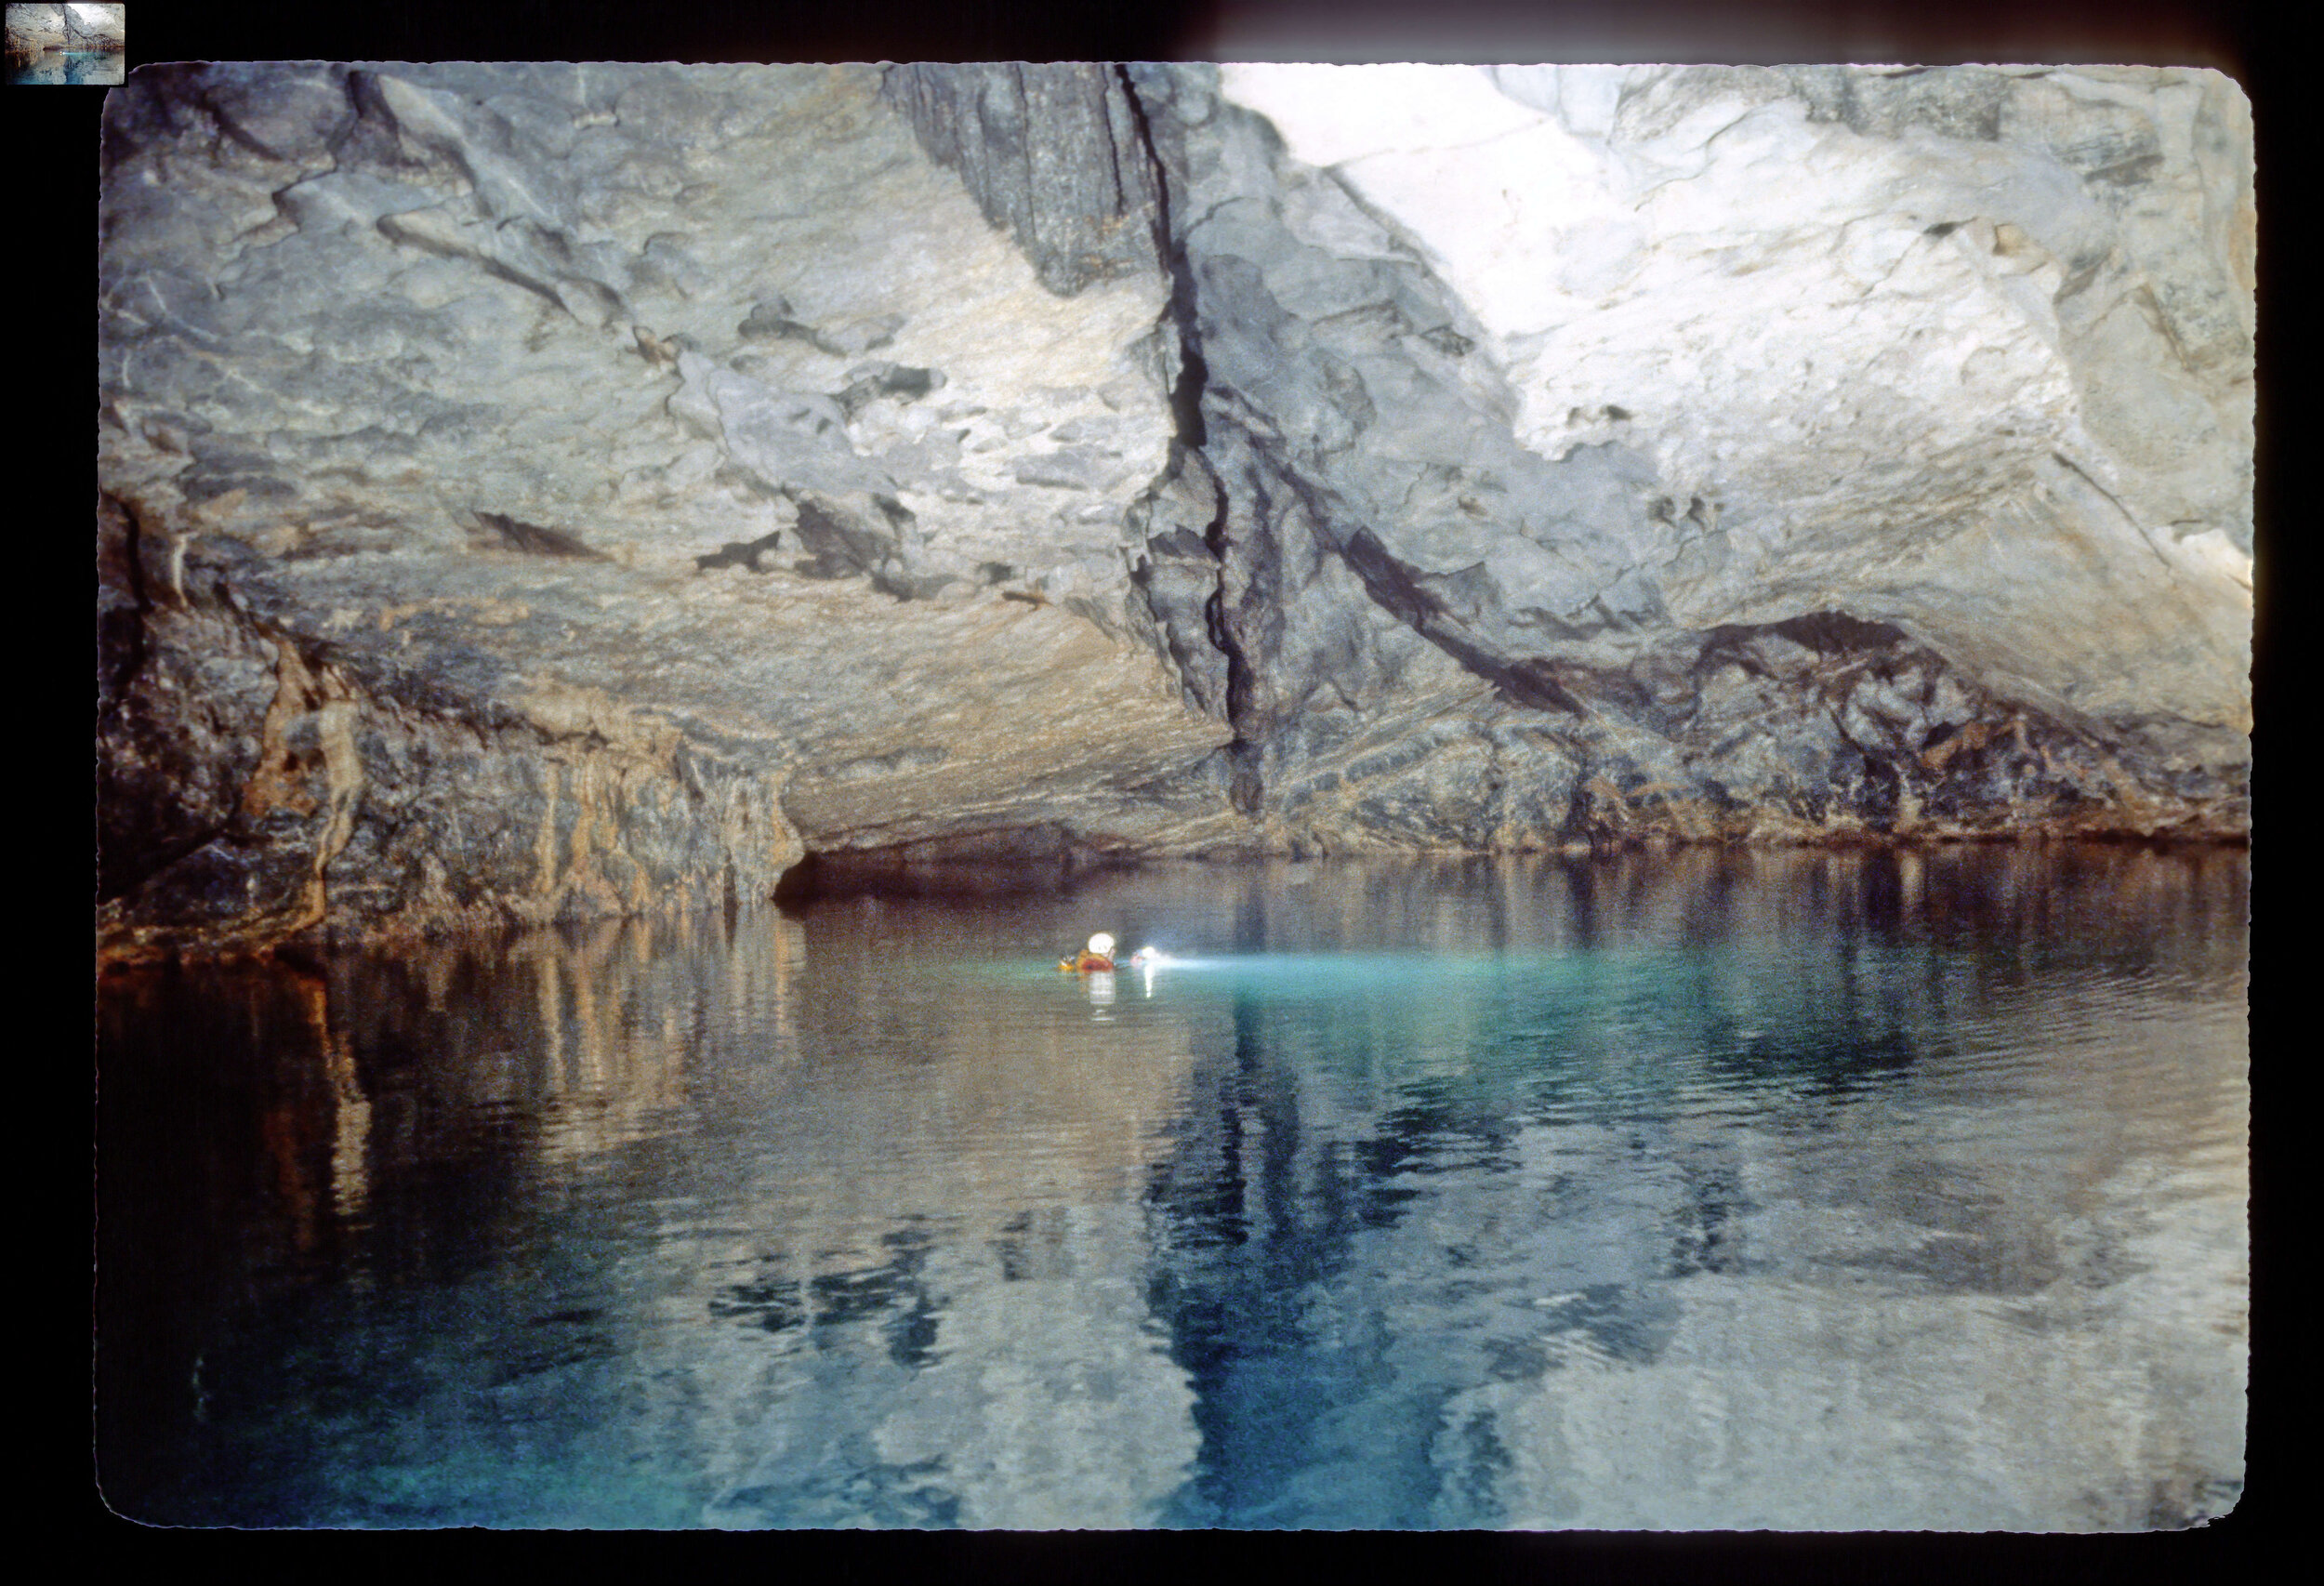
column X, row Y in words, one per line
column 1706, row 1190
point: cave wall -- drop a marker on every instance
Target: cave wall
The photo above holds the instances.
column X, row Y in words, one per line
column 675, row 451
column 539, row 491
column 1790, row 452
column 32, row 28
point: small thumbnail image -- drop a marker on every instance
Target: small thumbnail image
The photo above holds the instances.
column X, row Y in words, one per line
column 52, row 45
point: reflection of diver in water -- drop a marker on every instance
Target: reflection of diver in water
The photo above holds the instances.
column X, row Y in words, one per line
column 1096, row 958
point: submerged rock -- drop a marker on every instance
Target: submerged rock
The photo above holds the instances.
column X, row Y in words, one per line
column 534, row 491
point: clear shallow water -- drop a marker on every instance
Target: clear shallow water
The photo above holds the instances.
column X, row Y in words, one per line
column 1821, row 1191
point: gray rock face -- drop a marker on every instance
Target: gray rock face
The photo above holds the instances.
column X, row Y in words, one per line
column 1052, row 151
column 32, row 28
column 250, row 787
column 690, row 418
column 1661, row 631
column 543, row 491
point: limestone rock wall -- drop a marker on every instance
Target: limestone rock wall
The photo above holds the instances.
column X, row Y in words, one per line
column 1054, row 152
column 32, row 28
column 251, row 788
column 544, row 490
column 653, row 438
column 1764, row 454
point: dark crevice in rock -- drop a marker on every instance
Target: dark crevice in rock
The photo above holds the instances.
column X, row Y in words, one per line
column 536, row 539
column 739, row 553
column 1832, row 632
column 1533, row 682
column 515, row 277
column 846, row 543
column 1193, row 373
column 372, row 135
column 1245, row 617
column 1048, row 152
column 1195, row 550
column 1002, row 862
column 121, row 641
column 842, row 547
column 882, row 379
column 118, row 876
column 772, row 321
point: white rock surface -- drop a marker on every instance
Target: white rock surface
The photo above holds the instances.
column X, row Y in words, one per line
column 1995, row 389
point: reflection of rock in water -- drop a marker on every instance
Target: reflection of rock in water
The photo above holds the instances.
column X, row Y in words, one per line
column 970, row 1392
column 1810, row 1190
column 229, row 1156
column 934, row 1226
column 1091, row 1427
column 2034, row 896
column 67, row 67
column 65, row 44
column 1914, row 1337
column 944, row 1258
column 1810, row 1409
column 589, row 1043
column 1840, row 1302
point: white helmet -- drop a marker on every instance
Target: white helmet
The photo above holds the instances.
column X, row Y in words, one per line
column 1102, row 944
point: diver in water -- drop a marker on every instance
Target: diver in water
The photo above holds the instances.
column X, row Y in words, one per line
column 1098, row 956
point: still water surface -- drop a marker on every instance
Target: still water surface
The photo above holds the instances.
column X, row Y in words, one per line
column 55, row 67
column 1795, row 1191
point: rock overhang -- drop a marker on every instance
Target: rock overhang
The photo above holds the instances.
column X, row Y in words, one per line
column 1833, row 328
column 1173, row 459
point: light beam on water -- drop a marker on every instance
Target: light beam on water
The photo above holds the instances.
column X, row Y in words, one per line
column 1797, row 1191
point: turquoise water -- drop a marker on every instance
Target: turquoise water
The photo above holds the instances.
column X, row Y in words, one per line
column 1824, row 1191
column 55, row 67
